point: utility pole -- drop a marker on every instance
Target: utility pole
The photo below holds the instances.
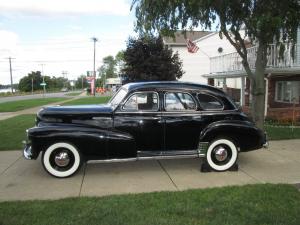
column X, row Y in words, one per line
column 65, row 75
column 32, row 86
column 11, row 78
column 94, row 39
column 42, row 65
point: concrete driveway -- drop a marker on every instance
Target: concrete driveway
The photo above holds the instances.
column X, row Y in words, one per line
column 21, row 179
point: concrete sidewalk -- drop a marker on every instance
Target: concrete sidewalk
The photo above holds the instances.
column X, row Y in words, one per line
column 22, row 179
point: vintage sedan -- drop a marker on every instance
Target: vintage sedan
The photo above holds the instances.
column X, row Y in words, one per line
column 147, row 120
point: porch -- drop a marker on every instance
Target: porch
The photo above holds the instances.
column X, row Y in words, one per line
column 282, row 80
column 231, row 63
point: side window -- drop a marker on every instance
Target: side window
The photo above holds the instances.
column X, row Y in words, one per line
column 177, row 101
column 142, row 101
column 209, row 102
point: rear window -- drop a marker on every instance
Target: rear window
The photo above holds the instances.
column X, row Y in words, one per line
column 209, row 102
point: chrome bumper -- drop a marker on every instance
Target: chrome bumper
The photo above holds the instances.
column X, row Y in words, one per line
column 266, row 144
column 27, row 152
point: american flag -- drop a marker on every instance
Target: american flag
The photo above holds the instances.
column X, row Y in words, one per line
column 192, row 47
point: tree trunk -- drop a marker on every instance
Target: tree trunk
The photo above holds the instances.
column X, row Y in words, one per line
column 258, row 100
column 258, row 87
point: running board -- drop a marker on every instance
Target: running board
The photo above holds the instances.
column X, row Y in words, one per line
column 146, row 158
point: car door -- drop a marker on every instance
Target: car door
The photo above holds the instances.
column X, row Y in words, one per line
column 140, row 117
column 182, row 120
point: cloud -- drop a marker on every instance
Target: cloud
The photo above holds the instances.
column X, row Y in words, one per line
column 74, row 27
column 72, row 53
column 8, row 40
column 65, row 7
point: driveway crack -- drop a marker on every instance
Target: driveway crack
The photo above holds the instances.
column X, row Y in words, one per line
column 83, row 176
column 164, row 169
column 258, row 180
column 10, row 165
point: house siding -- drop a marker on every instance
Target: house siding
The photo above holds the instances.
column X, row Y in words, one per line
column 197, row 64
column 298, row 47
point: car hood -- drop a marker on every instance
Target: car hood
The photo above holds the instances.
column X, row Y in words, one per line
column 75, row 111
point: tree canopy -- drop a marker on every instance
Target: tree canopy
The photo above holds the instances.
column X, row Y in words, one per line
column 25, row 84
column 263, row 22
column 147, row 59
column 81, row 82
column 34, row 79
column 108, row 69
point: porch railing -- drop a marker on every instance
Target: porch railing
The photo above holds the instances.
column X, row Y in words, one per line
column 232, row 62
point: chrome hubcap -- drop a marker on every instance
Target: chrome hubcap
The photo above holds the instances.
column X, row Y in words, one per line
column 221, row 154
column 62, row 159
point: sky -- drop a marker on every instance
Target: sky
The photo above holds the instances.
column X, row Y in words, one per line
column 55, row 35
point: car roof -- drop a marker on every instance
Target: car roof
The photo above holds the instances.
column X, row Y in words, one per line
column 170, row 85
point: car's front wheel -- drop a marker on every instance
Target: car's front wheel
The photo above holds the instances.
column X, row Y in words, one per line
column 61, row 159
column 222, row 154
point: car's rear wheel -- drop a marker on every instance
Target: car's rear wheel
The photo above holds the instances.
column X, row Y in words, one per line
column 61, row 159
column 222, row 154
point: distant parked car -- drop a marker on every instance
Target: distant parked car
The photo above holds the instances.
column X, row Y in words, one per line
column 155, row 120
column 64, row 89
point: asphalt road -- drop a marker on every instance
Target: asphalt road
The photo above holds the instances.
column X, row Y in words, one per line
column 23, row 97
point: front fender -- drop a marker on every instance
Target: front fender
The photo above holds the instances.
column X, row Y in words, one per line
column 245, row 134
column 92, row 142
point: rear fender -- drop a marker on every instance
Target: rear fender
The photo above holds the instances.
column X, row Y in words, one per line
column 244, row 134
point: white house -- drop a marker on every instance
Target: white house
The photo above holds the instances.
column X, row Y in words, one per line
column 218, row 61
column 197, row 64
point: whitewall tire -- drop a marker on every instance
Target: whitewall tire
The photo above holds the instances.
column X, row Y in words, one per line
column 61, row 159
column 222, row 154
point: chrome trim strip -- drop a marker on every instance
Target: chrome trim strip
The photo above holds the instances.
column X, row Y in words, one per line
column 167, row 153
column 146, row 158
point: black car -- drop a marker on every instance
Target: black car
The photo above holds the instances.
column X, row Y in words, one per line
column 148, row 120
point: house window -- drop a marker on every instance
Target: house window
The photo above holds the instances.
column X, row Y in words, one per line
column 287, row 91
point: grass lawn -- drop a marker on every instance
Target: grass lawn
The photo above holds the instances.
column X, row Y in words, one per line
column 89, row 100
column 14, row 106
column 279, row 133
column 12, row 131
column 250, row 204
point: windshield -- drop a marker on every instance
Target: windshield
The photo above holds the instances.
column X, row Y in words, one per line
column 118, row 97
